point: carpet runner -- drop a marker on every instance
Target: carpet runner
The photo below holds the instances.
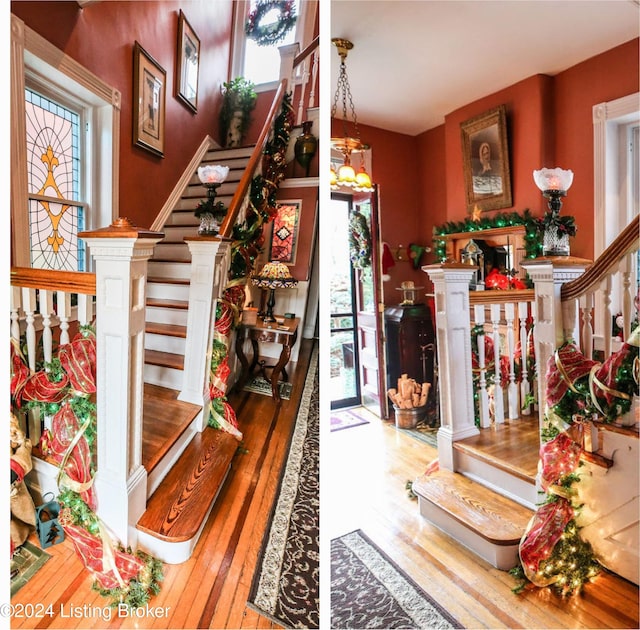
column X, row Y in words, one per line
column 369, row 591
column 285, row 587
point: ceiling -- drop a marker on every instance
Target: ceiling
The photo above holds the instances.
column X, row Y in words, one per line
column 415, row 61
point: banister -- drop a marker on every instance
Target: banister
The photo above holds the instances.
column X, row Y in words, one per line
column 626, row 242
column 299, row 58
column 254, row 161
column 52, row 280
column 501, row 297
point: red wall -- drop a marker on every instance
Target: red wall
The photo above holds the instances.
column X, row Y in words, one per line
column 101, row 37
column 606, row 77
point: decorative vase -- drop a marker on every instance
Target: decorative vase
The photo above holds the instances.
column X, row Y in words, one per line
column 208, row 225
column 554, row 245
column 306, row 146
column 234, row 133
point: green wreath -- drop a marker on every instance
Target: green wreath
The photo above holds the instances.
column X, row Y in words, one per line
column 269, row 34
column 359, row 241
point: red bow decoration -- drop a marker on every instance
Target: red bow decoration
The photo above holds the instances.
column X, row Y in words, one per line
column 20, row 375
column 559, row 457
column 91, row 551
column 78, row 360
column 39, row 388
column 543, row 532
column 564, row 368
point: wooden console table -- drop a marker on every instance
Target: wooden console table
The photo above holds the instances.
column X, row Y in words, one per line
column 285, row 334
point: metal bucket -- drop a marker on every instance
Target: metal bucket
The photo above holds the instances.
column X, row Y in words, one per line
column 409, row 418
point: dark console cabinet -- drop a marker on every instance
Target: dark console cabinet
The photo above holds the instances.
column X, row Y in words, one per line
column 410, row 343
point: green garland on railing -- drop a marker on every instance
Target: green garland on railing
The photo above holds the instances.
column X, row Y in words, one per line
column 532, row 235
column 245, row 248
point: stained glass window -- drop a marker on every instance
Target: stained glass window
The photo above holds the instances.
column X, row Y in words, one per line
column 285, row 233
column 56, row 213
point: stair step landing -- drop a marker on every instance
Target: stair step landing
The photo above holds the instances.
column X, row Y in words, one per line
column 486, row 522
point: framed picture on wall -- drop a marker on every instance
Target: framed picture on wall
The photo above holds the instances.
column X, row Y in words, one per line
column 149, row 94
column 284, row 232
column 485, row 161
column 188, row 64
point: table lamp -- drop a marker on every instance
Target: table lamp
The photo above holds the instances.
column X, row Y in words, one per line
column 274, row 275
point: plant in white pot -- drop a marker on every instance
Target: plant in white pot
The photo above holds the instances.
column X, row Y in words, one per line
column 238, row 101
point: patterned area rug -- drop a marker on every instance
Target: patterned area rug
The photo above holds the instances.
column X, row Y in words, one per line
column 259, row 385
column 369, row 591
column 346, row 419
column 286, row 587
column 25, row 562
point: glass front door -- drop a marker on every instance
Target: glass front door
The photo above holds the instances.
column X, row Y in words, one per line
column 345, row 380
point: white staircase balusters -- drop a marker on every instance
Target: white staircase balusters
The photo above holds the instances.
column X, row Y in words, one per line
column 512, row 388
column 498, row 394
column 29, row 308
column 483, row 395
column 626, row 266
column 525, row 385
column 606, row 314
column 64, row 314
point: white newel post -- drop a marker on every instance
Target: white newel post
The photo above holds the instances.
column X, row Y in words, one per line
column 121, row 252
column 209, row 267
column 288, row 54
column 552, row 327
column 453, row 334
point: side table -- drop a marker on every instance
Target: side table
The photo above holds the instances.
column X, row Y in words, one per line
column 284, row 334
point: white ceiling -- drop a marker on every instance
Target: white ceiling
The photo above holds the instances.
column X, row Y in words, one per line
column 415, row 61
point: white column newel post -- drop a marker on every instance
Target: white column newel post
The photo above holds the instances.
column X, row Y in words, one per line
column 453, row 334
column 288, row 53
column 208, row 275
column 121, row 252
column 548, row 276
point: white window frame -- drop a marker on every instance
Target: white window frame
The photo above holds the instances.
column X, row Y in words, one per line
column 615, row 185
column 304, row 36
column 37, row 63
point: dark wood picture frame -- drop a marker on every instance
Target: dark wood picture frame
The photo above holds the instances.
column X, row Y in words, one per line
column 149, row 101
column 188, row 64
column 485, row 161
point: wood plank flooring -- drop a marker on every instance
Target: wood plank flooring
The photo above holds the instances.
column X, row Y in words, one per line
column 364, row 488
column 210, row 590
column 364, row 470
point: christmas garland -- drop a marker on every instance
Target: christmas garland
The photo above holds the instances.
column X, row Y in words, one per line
column 532, row 236
column 64, row 390
column 359, row 241
column 246, row 246
column 274, row 32
column 552, row 553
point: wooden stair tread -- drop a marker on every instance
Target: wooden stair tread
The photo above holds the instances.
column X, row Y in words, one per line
column 169, row 330
column 164, row 359
column 177, row 509
column 513, row 447
column 178, row 304
column 496, row 518
column 164, row 420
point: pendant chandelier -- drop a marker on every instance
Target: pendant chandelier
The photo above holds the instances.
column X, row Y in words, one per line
column 346, row 174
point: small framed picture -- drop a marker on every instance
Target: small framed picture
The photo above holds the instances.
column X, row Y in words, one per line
column 188, row 64
column 485, row 160
column 149, row 94
column 284, row 234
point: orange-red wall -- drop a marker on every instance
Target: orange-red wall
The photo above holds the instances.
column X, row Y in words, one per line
column 549, row 123
column 101, row 37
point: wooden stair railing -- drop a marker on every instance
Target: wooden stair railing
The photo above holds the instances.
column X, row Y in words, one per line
column 255, row 161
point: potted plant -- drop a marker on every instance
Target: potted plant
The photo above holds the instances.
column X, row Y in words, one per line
column 238, row 101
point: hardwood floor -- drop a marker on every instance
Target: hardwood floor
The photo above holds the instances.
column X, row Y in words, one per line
column 210, row 590
column 364, row 488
